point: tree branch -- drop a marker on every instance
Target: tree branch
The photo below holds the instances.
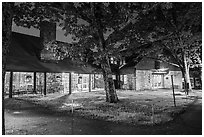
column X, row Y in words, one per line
column 128, row 24
column 75, row 11
column 174, row 56
column 97, row 23
column 165, row 61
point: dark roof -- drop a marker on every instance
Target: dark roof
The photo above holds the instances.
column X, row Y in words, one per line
column 129, row 67
column 24, row 56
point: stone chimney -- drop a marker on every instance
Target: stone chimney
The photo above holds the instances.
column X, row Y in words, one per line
column 47, row 34
column 47, row 31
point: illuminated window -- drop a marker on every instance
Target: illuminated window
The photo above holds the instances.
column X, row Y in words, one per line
column 114, row 77
column 113, row 61
column 122, row 61
column 125, row 79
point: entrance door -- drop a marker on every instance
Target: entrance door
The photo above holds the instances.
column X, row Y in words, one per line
column 83, row 82
column 158, row 81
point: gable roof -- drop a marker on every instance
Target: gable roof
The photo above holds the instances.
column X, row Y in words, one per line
column 24, row 56
column 146, row 63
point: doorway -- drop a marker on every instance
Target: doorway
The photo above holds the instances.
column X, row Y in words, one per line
column 158, row 81
column 83, row 82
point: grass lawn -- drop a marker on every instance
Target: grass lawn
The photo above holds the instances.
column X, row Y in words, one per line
column 134, row 107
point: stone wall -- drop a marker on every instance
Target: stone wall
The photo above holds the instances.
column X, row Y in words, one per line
column 147, row 79
column 143, row 79
column 130, row 81
column 177, row 79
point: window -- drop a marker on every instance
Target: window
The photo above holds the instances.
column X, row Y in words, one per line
column 114, row 77
column 149, row 78
column 80, row 80
column 125, row 79
column 113, row 61
column 122, row 61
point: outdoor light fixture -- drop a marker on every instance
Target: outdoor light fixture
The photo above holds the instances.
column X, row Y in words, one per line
column 17, row 112
column 72, row 73
column 163, row 69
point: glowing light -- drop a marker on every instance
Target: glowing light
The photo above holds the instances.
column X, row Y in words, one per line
column 17, row 112
column 72, row 73
column 163, row 69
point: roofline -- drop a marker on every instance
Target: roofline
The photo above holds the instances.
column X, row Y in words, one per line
column 37, row 37
column 164, row 61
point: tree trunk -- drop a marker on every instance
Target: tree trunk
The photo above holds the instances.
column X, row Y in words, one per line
column 186, row 75
column 7, row 16
column 111, row 95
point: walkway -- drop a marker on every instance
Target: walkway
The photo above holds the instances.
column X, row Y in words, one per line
column 37, row 120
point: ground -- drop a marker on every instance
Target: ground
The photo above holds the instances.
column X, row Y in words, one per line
column 36, row 115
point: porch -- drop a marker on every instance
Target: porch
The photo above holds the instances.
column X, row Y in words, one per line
column 18, row 83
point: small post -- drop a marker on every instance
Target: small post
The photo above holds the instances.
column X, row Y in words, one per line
column 135, row 80
column 11, row 84
column 72, row 106
column 19, row 82
column 173, row 90
column 94, row 85
column 34, row 83
column 40, row 83
column 153, row 82
column 72, row 127
column 45, row 83
column 152, row 113
column 89, row 82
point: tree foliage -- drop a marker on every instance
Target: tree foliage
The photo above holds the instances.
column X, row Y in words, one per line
column 102, row 31
column 117, row 26
column 31, row 14
column 178, row 30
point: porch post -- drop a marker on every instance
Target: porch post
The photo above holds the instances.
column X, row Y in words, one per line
column 119, row 82
column 34, row 83
column 11, row 84
column 94, row 85
column 194, row 82
column 89, row 82
column 70, row 83
column 117, row 79
column 45, row 83
column 135, row 79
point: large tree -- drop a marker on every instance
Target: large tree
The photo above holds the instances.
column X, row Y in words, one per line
column 173, row 31
column 102, row 31
column 184, row 41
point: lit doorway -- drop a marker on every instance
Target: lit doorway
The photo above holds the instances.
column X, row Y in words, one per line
column 158, row 81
